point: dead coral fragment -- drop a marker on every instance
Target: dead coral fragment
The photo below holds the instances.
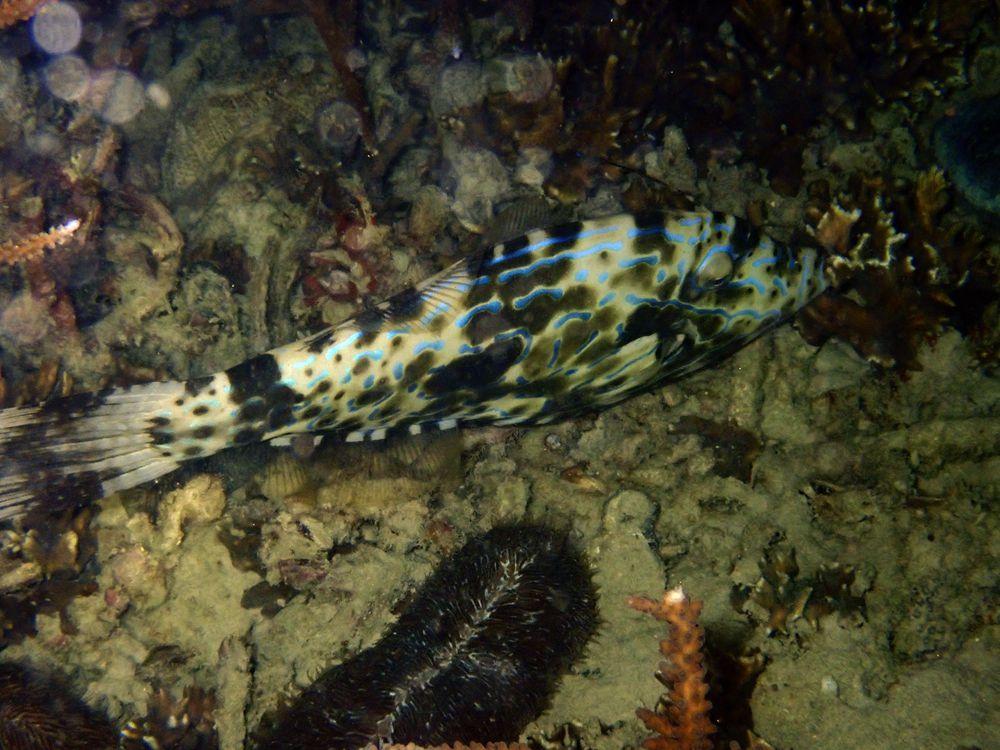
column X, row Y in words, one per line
column 337, row 26
column 578, row 474
column 52, row 552
column 735, row 449
column 14, row 11
column 31, row 247
column 786, row 597
column 566, row 736
column 49, row 381
column 188, row 723
column 40, row 572
column 683, row 722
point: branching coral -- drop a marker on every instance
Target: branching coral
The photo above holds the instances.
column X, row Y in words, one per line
column 46, row 292
column 789, row 66
column 786, row 596
column 683, row 723
column 32, row 246
column 758, row 75
column 904, row 267
column 618, row 73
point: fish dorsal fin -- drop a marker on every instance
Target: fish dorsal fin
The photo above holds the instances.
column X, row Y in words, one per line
column 520, row 217
column 445, row 294
column 441, row 295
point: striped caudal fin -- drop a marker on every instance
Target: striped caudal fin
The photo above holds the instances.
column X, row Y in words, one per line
column 77, row 449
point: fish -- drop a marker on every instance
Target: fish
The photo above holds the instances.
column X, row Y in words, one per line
column 558, row 321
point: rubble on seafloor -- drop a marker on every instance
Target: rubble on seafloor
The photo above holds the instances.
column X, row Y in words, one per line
column 828, row 501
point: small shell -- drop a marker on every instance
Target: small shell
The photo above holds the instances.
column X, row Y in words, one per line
column 282, row 478
column 577, row 474
column 426, row 456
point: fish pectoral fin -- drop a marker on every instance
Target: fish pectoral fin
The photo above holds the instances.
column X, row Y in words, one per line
column 670, row 349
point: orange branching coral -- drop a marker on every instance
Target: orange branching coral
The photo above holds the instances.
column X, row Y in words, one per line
column 13, row 11
column 683, row 722
column 30, row 247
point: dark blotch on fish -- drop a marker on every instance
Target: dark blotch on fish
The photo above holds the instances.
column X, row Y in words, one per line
column 253, row 377
column 475, row 656
column 476, row 370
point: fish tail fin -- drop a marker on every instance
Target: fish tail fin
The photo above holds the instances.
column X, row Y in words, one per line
column 73, row 450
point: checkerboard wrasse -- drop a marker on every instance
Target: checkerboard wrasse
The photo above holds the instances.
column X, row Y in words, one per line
column 557, row 322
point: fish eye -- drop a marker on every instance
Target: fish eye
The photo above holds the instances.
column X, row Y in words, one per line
column 714, row 270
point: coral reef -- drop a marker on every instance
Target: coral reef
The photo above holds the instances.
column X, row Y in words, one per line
column 683, row 723
column 274, row 214
column 919, row 468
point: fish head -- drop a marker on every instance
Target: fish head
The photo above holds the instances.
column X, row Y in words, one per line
column 729, row 285
column 736, row 269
